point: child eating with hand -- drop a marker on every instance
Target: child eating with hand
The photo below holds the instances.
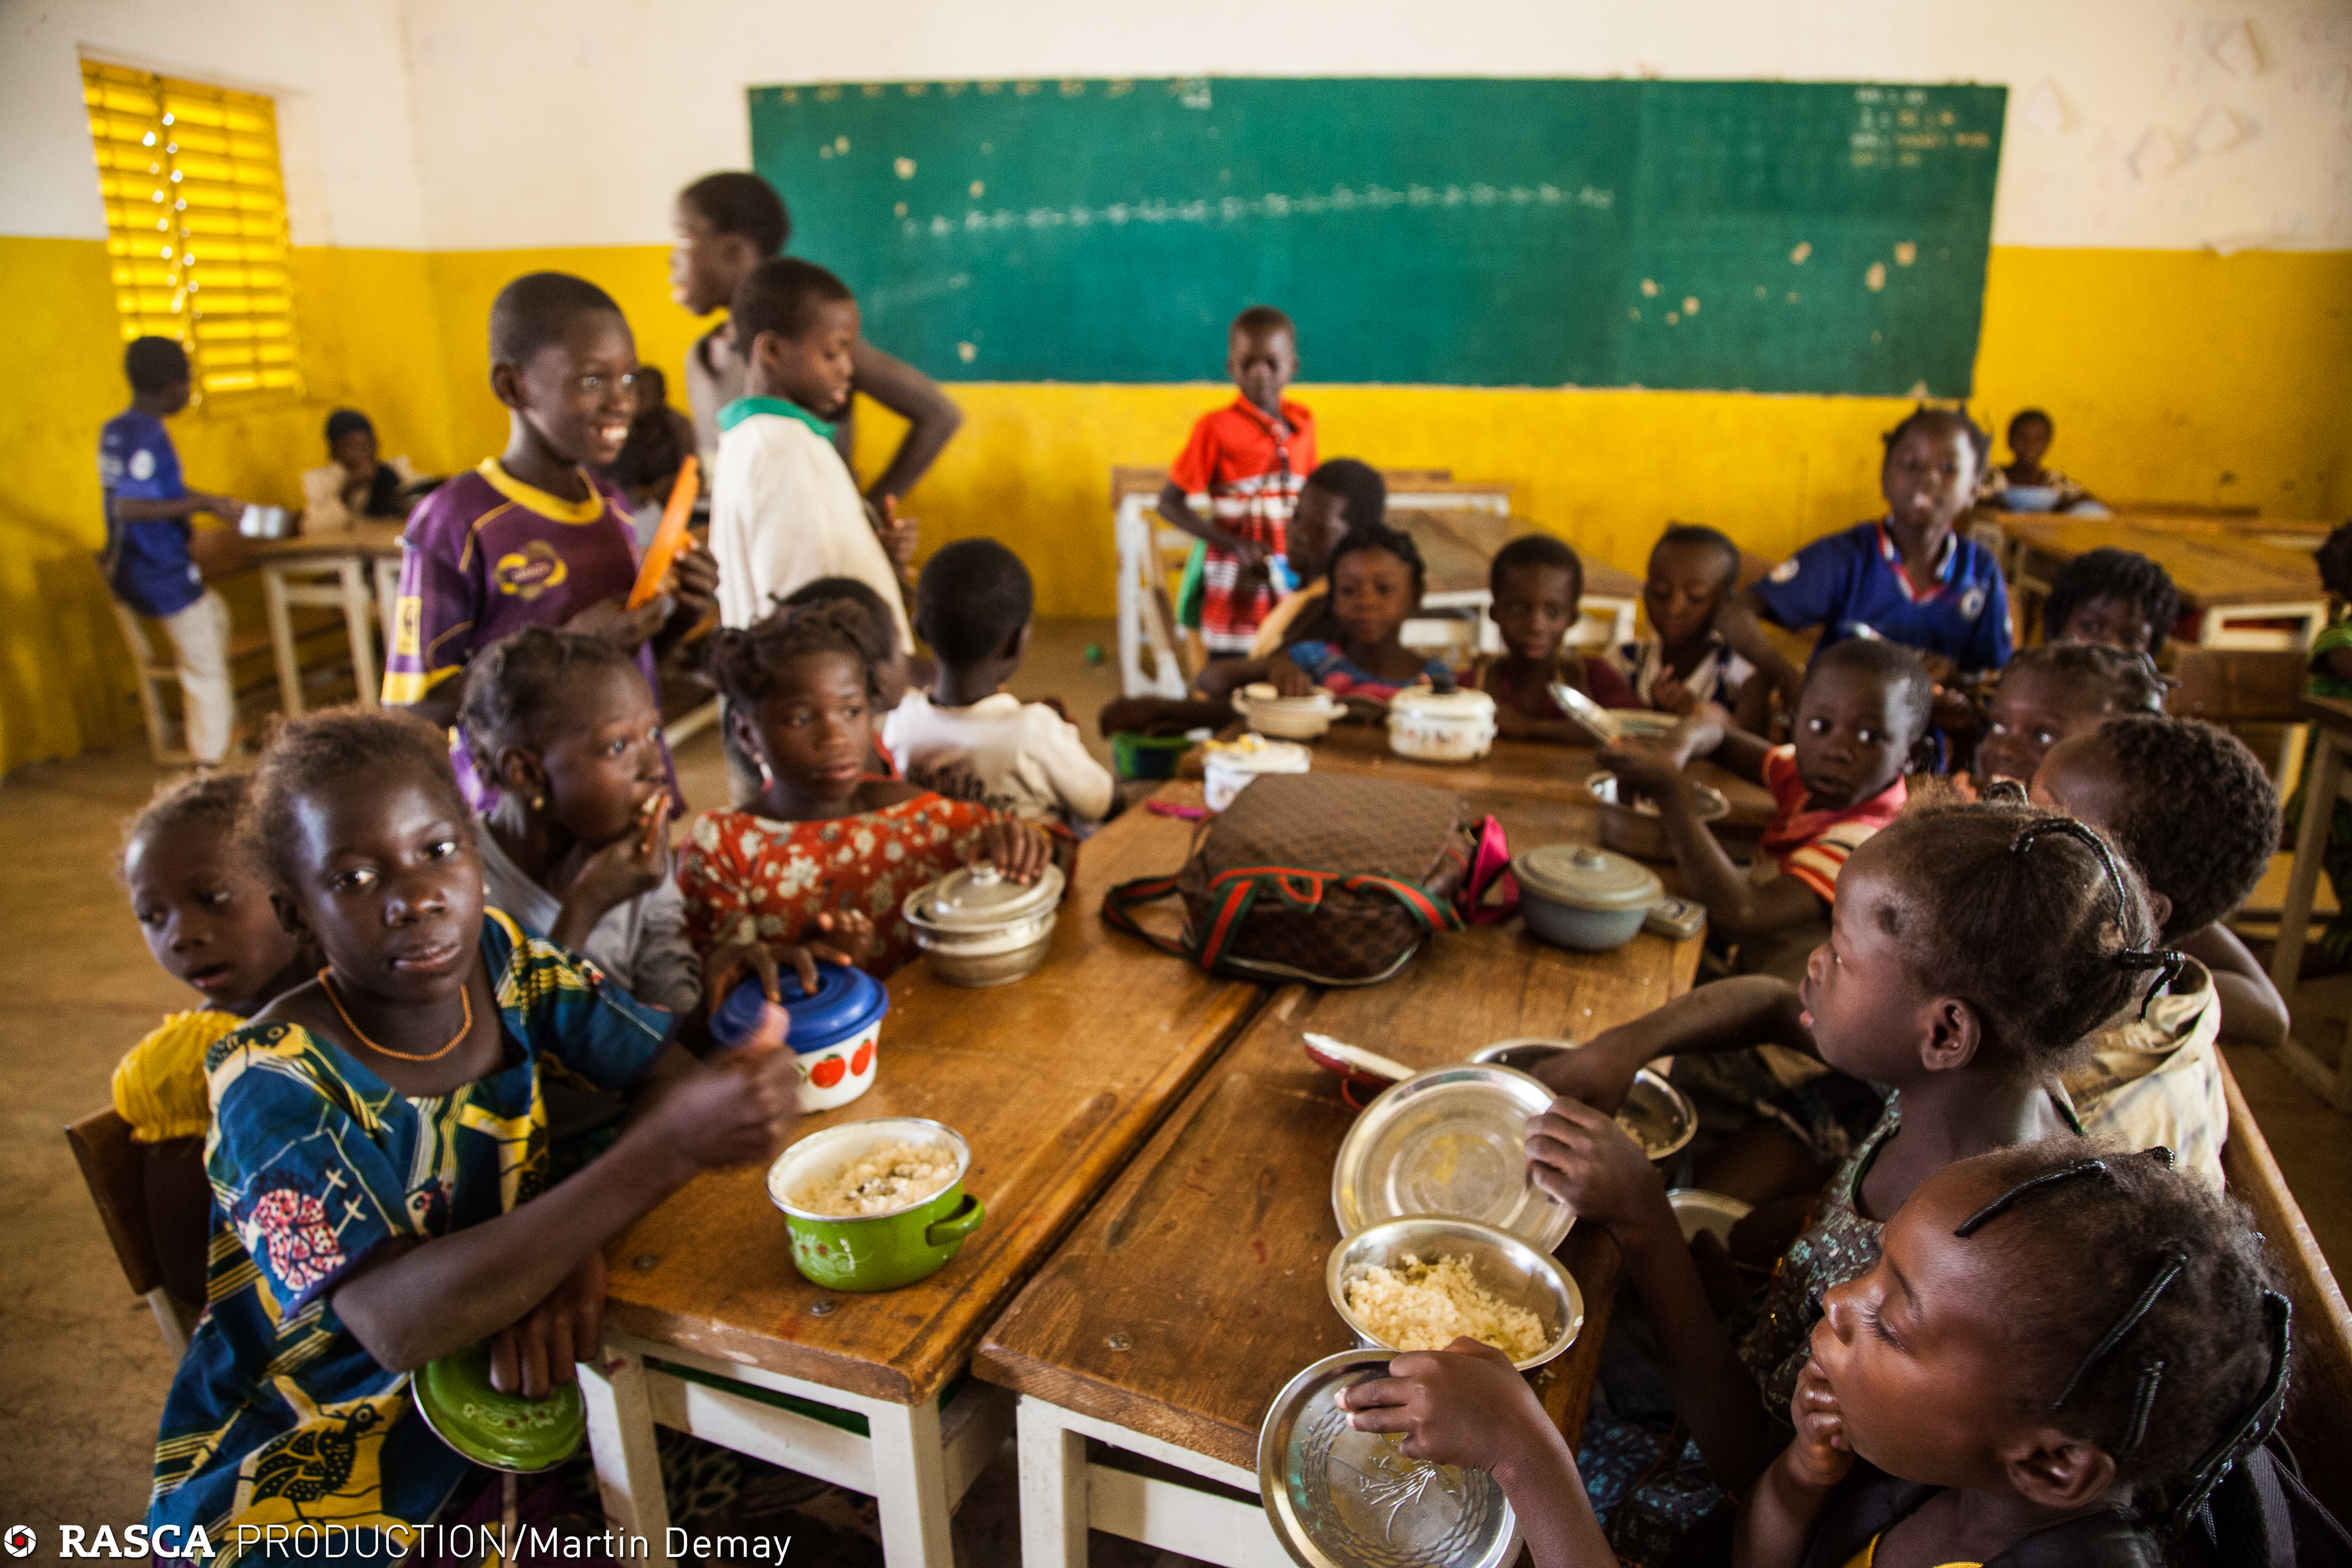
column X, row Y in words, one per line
column 968, row 737
column 1535, row 588
column 2057, row 1355
column 380, row 1159
column 1249, row 459
column 824, row 847
column 1684, row 663
column 1377, row 578
column 203, row 908
column 1864, row 705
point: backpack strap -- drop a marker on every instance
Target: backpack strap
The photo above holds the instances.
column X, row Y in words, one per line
column 1233, row 893
column 1125, row 897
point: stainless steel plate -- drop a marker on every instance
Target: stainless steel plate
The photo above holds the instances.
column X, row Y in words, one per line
column 1449, row 1142
column 1339, row 1498
column 1656, row 1114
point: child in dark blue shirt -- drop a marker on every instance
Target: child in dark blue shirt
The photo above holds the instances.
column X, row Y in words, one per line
column 146, row 560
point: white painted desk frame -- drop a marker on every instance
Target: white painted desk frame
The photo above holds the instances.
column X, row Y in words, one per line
column 2333, row 1085
column 916, row 1465
column 1064, row 1494
column 337, row 583
column 1138, row 531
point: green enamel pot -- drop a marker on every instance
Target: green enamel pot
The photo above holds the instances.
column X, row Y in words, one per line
column 874, row 1252
column 504, row 1431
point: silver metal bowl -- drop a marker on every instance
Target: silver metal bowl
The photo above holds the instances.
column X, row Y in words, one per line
column 1506, row 1266
column 1637, row 829
column 1448, row 1140
column 1656, row 1114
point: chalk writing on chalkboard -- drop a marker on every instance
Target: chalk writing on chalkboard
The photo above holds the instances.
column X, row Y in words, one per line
column 1773, row 236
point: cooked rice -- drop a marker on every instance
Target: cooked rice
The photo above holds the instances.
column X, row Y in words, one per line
column 1418, row 1306
column 891, row 1177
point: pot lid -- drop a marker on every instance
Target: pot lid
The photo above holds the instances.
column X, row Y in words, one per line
column 1256, row 755
column 1587, row 877
column 1317, row 700
column 846, row 1000
column 1456, row 702
column 980, row 898
column 504, row 1431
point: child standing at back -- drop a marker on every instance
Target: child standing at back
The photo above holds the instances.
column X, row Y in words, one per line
column 1685, row 662
column 1250, row 459
column 969, row 738
column 1536, row 591
column 784, row 510
column 147, row 561
column 530, row 538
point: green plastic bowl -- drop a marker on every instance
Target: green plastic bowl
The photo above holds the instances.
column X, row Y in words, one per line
column 1139, row 756
column 874, row 1252
column 503, row 1431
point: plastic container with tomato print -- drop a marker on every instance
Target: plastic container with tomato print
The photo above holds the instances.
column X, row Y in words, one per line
column 834, row 1033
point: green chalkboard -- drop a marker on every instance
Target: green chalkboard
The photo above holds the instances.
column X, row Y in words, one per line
column 1778, row 237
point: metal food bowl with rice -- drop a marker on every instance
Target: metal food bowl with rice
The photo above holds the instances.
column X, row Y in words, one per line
column 1516, row 1275
column 1635, row 827
column 1655, row 1115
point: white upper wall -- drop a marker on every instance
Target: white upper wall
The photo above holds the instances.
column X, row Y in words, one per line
column 338, row 68
column 456, row 124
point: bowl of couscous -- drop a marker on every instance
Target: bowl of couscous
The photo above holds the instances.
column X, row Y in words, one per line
column 1418, row 1283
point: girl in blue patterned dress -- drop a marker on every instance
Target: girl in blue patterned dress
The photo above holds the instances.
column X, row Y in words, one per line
column 379, row 1155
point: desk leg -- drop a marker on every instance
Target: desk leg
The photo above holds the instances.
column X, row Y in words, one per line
column 387, row 595
column 281, row 642
column 2310, row 845
column 628, row 1467
column 1053, row 1503
column 911, row 1485
column 359, row 625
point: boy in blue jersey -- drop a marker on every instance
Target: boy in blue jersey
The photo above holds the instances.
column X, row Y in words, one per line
column 146, row 560
column 1909, row 577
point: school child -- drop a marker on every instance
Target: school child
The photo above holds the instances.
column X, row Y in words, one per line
column 1684, row 661
column 575, row 847
column 2329, row 674
column 1909, row 577
column 2118, row 597
column 1250, row 459
column 147, row 560
column 894, row 671
column 969, row 738
column 1864, row 704
column 1339, row 497
column 380, row 1159
column 2023, row 484
column 823, row 838
column 2194, row 811
column 2056, row 690
column 202, row 905
column 355, row 482
column 530, row 538
column 1535, row 588
column 2057, row 1356
column 1972, row 948
column 726, row 225
column 1377, row 577
column 784, row 507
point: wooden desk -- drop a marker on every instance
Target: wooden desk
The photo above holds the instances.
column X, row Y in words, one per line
column 2225, row 576
column 1053, row 1080
column 1525, row 771
column 330, row 569
column 1194, row 1290
column 2332, row 738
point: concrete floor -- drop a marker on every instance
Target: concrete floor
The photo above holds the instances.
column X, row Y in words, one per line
column 82, row 1371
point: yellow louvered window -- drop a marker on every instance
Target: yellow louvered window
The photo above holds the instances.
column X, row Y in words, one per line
column 195, row 226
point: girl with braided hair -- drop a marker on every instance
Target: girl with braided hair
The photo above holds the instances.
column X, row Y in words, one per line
column 2059, row 1353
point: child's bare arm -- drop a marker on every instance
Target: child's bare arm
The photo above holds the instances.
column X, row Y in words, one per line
column 1177, row 508
column 1727, row 1016
column 2253, row 1011
column 932, row 417
column 1777, row 1519
column 2339, row 660
column 1224, row 677
column 1741, row 623
column 1729, row 746
column 1737, row 907
column 1465, row 1406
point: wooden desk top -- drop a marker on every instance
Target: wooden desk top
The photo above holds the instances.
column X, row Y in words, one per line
column 1054, row 1080
column 1194, row 1290
column 1525, row 771
column 368, row 540
column 2210, row 564
column 2330, row 713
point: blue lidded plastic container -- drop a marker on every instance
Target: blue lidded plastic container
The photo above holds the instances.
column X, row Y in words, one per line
column 834, row 1033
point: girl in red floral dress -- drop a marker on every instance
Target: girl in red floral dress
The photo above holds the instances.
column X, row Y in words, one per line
column 826, row 849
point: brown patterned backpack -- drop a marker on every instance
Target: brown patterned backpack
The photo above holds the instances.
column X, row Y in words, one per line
column 1324, row 878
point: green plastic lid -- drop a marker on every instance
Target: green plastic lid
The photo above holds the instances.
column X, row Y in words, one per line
column 504, row 1431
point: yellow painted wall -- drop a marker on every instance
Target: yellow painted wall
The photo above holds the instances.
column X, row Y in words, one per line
column 2172, row 375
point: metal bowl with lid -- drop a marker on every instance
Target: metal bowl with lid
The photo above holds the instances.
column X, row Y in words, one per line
column 1449, row 1142
column 1591, row 899
column 1441, row 724
column 1338, row 1497
column 978, row 927
column 1636, row 827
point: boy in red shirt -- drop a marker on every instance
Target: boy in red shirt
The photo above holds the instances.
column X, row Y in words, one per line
column 1251, row 458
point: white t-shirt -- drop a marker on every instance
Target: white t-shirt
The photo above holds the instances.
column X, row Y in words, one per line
column 783, row 513
column 1018, row 757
